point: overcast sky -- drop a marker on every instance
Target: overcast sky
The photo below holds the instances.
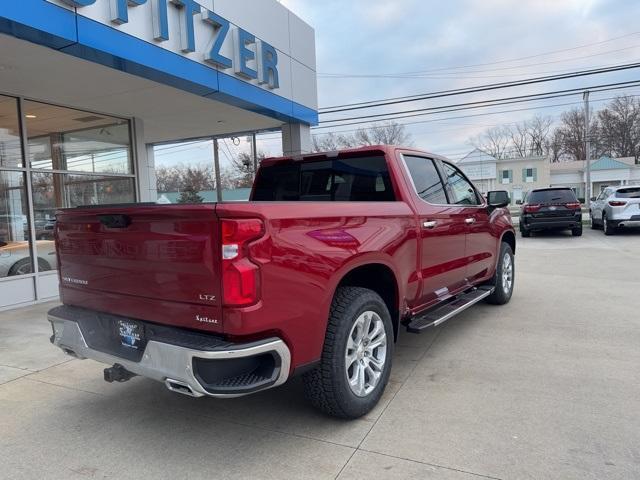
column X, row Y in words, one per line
column 376, row 37
column 366, row 47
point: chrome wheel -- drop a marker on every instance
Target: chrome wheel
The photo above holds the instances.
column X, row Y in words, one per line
column 366, row 353
column 507, row 273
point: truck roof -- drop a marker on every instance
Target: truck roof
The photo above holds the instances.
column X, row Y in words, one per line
column 346, row 152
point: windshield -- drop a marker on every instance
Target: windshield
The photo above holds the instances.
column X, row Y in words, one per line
column 564, row 195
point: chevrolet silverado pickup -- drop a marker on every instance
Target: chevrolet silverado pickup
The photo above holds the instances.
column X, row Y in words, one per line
column 314, row 276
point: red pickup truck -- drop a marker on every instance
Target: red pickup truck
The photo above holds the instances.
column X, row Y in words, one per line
column 315, row 275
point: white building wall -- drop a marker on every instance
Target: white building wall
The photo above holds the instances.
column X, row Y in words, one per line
column 267, row 20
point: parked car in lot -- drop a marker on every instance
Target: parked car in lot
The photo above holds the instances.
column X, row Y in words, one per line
column 615, row 208
column 15, row 257
column 314, row 276
column 553, row 208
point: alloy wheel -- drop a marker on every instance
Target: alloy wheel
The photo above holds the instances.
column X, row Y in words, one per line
column 366, row 353
column 507, row 273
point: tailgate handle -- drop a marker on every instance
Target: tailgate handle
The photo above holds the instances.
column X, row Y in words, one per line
column 115, row 221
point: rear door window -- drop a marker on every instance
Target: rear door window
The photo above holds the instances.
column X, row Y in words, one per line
column 361, row 179
column 564, row 195
column 426, row 179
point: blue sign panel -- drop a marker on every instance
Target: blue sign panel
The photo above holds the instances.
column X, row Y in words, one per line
column 247, row 78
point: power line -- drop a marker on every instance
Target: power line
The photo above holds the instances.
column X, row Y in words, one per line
column 544, row 54
column 466, row 74
column 476, row 89
column 483, row 114
column 478, row 103
column 446, row 109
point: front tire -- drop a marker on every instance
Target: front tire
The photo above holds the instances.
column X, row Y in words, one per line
column 504, row 279
column 356, row 358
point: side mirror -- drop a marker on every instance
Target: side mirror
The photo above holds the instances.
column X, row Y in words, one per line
column 593, row 199
column 498, row 199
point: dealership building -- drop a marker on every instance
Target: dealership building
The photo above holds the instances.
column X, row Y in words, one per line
column 522, row 174
column 88, row 87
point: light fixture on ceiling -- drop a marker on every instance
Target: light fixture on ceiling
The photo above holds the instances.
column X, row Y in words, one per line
column 30, row 115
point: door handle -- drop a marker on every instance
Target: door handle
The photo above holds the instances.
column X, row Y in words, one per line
column 469, row 220
column 429, row 224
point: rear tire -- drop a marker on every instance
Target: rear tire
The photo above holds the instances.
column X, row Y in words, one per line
column 358, row 319
column 525, row 233
column 577, row 232
column 606, row 226
column 504, row 279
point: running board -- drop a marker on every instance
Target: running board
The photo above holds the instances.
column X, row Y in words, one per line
column 435, row 317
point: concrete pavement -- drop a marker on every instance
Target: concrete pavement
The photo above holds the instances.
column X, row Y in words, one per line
column 544, row 387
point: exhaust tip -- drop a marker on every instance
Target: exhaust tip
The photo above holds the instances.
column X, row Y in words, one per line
column 180, row 387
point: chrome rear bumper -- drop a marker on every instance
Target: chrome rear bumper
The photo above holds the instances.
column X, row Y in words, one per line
column 174, row 364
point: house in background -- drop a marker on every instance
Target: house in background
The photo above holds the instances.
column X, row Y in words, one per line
column 605, row 171
column 521, row 175
column 515, row 175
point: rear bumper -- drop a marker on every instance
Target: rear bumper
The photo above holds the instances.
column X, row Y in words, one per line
column 186, row 362
column 624, row 220
column 543, row 223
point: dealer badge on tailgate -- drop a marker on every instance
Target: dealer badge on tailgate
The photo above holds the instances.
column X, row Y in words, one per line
column 130, row 334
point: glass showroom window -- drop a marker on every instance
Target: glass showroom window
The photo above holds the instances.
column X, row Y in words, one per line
column 75, row 158
column 15, row 251
column 15, row 247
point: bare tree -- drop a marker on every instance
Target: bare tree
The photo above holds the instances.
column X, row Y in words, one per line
column 524, row 139
column 619, row 127
column 180, row 177
column 539, row 132
column 388, row 133
column 571, row 134
column 332, row 141
column 554, row 147
column 495, row 141
column 519, row 135
column 240, row 173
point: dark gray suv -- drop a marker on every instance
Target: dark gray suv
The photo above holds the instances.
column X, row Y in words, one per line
column 554, row 208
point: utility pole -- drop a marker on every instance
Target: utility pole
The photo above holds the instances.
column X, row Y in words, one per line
column 587, row 149
column 254, row 153
column 216, row 166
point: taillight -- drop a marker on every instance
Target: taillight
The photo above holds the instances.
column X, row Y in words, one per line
column 617, row 203
column 240, row 276
column 531, row 208
column 573, row 206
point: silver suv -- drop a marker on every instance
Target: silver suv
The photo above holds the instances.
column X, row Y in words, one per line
column 616, row 207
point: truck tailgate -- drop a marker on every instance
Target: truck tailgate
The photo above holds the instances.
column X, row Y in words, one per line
column 158, row 263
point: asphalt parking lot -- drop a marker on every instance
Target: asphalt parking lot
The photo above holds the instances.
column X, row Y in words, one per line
column 547, row 386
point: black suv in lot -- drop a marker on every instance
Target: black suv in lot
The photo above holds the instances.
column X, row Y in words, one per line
column 551, row 209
